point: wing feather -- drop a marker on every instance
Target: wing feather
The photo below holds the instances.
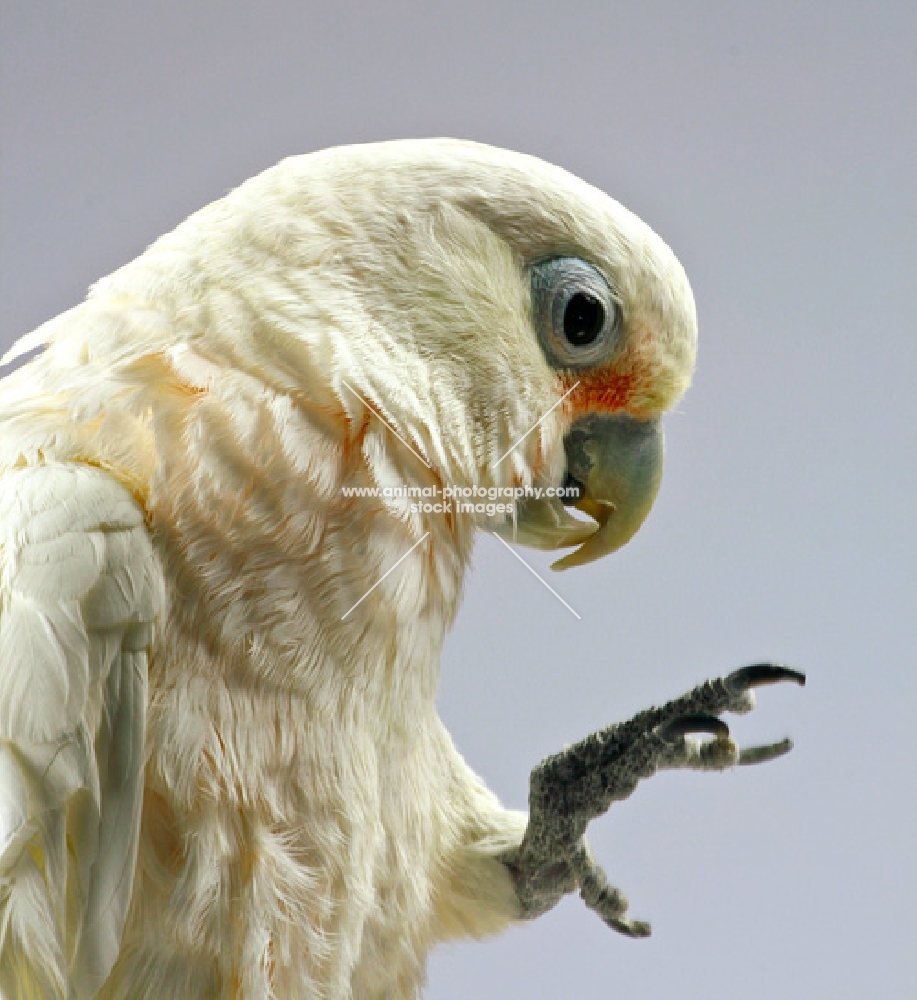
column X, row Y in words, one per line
column 80, row 590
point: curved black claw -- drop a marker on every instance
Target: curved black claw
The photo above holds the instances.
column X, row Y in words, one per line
column 762, row 754
column 759, row 674
column 630, row 928
column 694, row 722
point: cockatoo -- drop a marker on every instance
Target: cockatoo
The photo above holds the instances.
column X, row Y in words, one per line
column 222, row 773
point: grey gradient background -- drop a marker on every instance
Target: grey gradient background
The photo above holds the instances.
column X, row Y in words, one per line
column 774, row 148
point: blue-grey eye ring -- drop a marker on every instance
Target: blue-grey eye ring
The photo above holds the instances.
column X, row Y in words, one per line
column 575, row 313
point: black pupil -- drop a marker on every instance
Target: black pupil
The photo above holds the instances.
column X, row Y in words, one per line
column 583, row 319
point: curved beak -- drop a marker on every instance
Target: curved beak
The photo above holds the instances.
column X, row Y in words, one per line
column 614, row 465
column 617, row 463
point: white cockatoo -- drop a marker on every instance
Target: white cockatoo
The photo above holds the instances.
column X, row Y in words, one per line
column 222, row 773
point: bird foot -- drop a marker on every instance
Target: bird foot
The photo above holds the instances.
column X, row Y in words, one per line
column 570, row 788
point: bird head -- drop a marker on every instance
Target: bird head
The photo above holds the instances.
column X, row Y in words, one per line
column 518, row 325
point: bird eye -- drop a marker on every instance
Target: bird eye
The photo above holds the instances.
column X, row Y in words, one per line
column 575, row 313
column 583, row 319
